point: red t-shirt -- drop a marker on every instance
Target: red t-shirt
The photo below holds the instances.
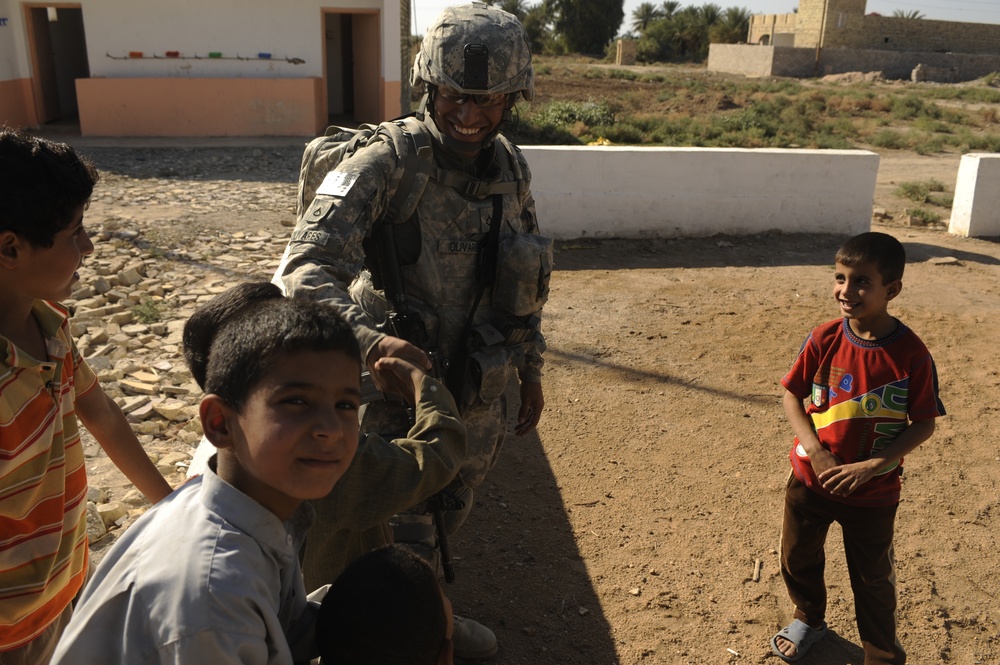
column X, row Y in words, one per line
column 863, row 393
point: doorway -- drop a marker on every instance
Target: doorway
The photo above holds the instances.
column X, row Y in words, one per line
column 352, row 49
column 59, row 57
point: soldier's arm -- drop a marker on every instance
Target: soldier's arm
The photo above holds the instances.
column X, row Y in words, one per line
column 389, row 476
column 532, row 371
column 325, row 252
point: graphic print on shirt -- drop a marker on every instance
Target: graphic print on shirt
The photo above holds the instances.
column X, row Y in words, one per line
column 885, row 409
column 826, row 377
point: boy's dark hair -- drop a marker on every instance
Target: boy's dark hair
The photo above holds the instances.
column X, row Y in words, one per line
column 230, row 341
column 385, row 608
column 881, row 249
column 43, row 184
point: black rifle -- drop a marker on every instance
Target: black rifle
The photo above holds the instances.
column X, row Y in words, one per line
column 407, row 325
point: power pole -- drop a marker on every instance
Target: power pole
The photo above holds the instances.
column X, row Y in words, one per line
column 822, row 34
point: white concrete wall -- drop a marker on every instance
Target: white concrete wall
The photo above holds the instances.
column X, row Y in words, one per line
column 232, row 27
column 976, row 209
column 13, row 47
column 627, row 192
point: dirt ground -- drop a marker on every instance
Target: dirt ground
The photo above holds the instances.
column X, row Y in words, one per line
column 629, row 527
column 628, row 530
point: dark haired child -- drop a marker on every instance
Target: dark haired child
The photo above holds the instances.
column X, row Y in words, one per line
column 212, row 573
column 386, row 477
column 45, row 385
column 388, row 608
column 873, row 397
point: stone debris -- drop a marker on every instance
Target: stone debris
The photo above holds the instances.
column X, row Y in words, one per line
column 926, row 73
column 111, row 512
column 147, row 275
column 853, row 77
column 95, row 525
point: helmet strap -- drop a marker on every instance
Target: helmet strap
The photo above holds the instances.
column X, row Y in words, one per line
column 421, row 112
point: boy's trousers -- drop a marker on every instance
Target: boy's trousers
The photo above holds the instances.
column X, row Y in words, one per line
column 868, row 533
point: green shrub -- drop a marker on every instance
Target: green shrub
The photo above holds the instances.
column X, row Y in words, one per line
column 622, row 74
column 148, row 311
column 563, row 114
column 887, row 138
column 926, row 145
column 925, row 216
column 921, row 191
column 906, row 107
column 529, row 132
column 621, row 132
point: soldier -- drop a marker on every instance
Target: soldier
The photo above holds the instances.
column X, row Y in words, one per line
column 467, row 271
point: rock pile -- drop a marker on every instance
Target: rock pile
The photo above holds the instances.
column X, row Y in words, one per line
column 150, row 269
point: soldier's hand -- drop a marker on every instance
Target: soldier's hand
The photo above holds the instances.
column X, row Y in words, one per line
column 404, row 374
column 532, row 403
column 387, row 380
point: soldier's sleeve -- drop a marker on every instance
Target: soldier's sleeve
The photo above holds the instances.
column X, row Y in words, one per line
column 528, row 217
column 533, row 361
column 405, row 471
column 325, row 252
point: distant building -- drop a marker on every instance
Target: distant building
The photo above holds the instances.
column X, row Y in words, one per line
column 845, row 25
column 836, row 36
column 203, row 68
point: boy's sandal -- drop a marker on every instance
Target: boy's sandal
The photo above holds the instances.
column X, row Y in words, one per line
column 801, row 635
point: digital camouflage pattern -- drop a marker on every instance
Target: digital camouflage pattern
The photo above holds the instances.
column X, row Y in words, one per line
column 325, row 259
column 441, row 60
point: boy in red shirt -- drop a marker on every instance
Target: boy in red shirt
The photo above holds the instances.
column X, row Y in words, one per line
column 873, row 397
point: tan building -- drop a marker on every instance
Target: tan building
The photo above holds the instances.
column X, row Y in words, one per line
column 837, row 36
column 196, row 68
column 844, row 24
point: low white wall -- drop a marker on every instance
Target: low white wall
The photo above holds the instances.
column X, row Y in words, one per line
column 628, row 192
column 976, row 209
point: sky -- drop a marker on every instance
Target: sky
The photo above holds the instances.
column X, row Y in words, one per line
column 967, row 11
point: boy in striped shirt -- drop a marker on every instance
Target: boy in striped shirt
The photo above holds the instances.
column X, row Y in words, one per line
column 45, row 385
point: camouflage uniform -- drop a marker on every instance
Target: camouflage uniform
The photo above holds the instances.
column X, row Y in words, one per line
column 325, row 259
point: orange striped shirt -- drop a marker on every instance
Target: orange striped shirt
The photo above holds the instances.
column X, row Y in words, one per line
column 43, row 481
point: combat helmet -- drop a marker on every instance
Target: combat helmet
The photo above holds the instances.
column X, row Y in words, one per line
column 476, row 49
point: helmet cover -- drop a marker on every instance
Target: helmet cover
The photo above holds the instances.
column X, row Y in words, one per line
column 476, row 49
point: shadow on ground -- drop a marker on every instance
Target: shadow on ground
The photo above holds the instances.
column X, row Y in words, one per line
column 762, row 250
column 519, row 570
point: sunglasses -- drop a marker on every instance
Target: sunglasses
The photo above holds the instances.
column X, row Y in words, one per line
column 482, row 101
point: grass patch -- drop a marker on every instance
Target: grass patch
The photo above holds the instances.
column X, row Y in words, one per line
column 563, row 114
column 667, row 106
column 919, row 191
column 148, row 312
column 923, row 215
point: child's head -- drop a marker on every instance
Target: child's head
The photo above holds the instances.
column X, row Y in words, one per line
column 44, row 185
column 878, row 249
column 230, row 340
column 387, row 607
column 282, row 381
column 867, row 276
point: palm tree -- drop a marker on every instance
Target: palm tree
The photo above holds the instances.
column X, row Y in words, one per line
column 732, row 27
column 515, row 7
column 643, row 15
column 912, row 14
column 710, row 14
column 691, row 36
column 536, row 23
column 669, row 8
